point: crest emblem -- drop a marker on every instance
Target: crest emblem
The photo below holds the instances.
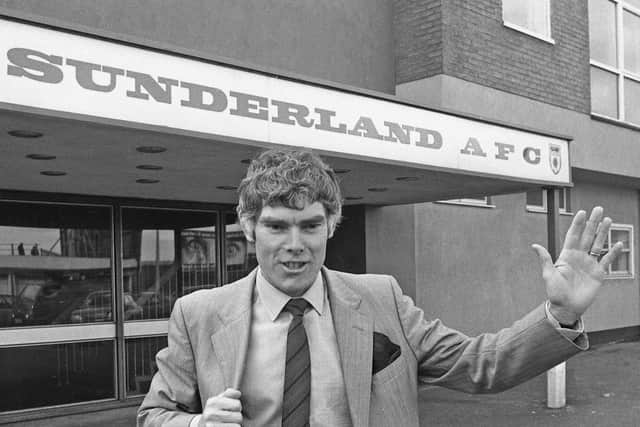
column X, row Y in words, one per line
column 555, row 160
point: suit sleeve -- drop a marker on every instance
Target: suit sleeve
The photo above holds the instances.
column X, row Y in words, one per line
column 173, row 398
column 487, row 363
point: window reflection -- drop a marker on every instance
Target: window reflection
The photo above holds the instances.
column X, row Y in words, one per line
column 53, row 258
column 141, row 362
column 240, row 254
column 46, row 375
column 166, row 254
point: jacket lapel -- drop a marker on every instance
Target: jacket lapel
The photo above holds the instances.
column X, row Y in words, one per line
column 353, row 326
column 231, row 340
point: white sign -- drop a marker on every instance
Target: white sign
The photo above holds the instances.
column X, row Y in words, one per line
column 57, row 70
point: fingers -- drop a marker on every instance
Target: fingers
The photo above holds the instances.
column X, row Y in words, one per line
column 590, row 228
column 223, row 408
column 601, row 236
column 231, row 393
column 611, row 255
column 545, row 258
column 574, row 234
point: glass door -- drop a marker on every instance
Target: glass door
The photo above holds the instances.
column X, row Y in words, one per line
column 166, row 253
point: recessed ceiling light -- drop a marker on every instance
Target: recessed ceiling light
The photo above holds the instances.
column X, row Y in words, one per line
column 40, row 156
column 341, row 171
column 226, row 187
column 147, row 181
column 53, row 173
column 407, row 178
column 353, row 198
column 377, row 189
column 149, row 167
column 151, row 149
column 21, row 133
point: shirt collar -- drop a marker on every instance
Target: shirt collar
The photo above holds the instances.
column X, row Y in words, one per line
column 274, row 299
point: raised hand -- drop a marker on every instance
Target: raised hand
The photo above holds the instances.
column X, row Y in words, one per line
column 574, row 280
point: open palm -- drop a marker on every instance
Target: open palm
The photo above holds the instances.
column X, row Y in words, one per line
column 572, row 283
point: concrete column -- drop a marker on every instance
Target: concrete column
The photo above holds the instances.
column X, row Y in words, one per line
column 556, row 376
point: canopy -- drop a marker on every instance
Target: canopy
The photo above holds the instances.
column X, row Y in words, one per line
column 84, row 114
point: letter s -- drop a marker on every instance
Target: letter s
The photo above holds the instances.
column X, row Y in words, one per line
column 26, row 66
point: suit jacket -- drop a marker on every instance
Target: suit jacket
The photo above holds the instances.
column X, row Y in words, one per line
column 209, row 336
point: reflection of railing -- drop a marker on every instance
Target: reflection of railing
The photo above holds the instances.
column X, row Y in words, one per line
column 141, row 362
column 12, row 248
column 198, row 276
column 27, row 249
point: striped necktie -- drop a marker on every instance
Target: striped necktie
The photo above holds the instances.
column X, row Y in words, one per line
column 297, row 373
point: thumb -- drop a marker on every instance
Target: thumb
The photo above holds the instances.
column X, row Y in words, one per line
column 545, row 258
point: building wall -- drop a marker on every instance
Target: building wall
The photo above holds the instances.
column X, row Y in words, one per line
column 417, row 29
column 494, row 72
column 343, row 41
column 474, row 268
column 618, row 304
column 471, row 43
column 390, row 243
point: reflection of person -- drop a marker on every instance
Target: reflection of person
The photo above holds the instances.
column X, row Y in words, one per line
column 21, row 249
column 251, row 353
column 194, row 251
column 34, row 250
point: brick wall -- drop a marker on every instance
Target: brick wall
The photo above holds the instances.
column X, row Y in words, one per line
column 474, row 45
column 417, row 26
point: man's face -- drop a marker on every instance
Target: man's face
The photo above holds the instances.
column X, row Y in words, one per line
column 291, row 245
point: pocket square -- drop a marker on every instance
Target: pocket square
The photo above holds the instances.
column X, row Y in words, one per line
column 384, row 352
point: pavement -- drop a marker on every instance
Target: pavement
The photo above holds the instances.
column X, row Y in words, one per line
column 603, row 390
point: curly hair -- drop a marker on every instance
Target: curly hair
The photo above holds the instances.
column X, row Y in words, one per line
column 289, row 178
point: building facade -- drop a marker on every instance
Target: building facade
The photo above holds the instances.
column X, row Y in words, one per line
column 103, row 224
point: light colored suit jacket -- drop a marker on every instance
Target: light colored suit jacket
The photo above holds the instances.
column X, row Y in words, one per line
column 209, row 336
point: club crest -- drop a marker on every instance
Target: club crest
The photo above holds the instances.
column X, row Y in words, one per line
column 555, row 160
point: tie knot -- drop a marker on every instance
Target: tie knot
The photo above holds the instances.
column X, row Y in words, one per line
column 296, row 306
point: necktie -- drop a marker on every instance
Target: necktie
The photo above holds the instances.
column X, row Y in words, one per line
column 297, row 372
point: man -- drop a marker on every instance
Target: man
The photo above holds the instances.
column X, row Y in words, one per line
column 297, row 344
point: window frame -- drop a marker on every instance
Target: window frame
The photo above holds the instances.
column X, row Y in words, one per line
column 473, row 202
column 630, row 274
column 566, row 194
column 619, row 70
column 528, row 31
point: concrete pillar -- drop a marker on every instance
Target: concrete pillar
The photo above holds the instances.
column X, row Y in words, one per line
column 556, row 376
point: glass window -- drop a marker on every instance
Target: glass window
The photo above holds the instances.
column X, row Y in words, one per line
column 604, row 92
column 631, row 31
column 623, row 265
column 634, row 3
column 537, row 200
column 166, row 254
column 531, row 15
column 602, row 31
column 632, row 101
column 57, row 261
column 45, row 375
column 141, row 362
column 470, row 201
column 615, row 69
column 240, row 254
